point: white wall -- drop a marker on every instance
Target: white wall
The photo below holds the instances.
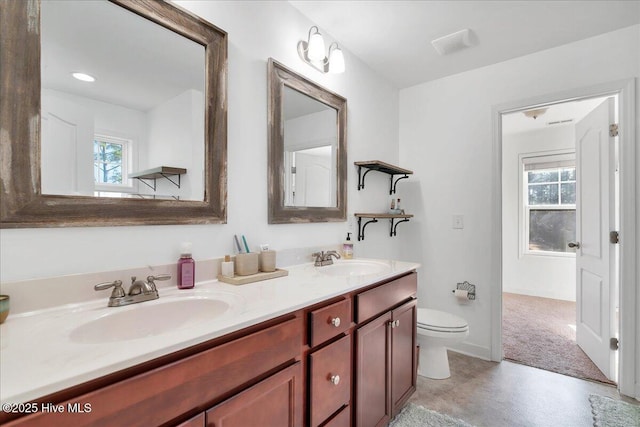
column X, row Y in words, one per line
column 176, row 139
column 446, row 136
column 99, row 117
column 257, row 30
column 542, row 275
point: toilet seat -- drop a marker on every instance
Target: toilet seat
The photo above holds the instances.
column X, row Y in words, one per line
column 440, row 321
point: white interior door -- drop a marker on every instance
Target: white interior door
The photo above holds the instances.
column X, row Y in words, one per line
column 595, row 216
column 313, row 178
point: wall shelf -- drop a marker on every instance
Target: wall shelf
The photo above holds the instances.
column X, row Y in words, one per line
column 373, row 218
column 377, row 165
column 166, row 172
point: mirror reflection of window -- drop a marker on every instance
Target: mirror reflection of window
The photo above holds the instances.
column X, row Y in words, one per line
column 112, row 165
column 145, row 81
column 310, row 151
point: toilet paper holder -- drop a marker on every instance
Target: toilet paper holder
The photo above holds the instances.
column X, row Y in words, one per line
column 466, row 286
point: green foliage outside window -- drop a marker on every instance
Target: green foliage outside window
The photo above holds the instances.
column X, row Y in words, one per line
column 107, row 162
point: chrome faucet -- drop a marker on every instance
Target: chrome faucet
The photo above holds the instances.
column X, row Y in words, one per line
column 324, row 258
column 139, row 291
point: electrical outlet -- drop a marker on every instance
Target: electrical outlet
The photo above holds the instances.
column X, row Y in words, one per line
column 458, row 222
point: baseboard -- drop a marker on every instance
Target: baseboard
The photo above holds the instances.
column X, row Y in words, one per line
column 535, row 293
column 472, row 350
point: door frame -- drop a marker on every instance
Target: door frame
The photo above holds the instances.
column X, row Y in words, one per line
column 629, row 297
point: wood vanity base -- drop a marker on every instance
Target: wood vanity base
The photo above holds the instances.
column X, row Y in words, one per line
column 350, row 360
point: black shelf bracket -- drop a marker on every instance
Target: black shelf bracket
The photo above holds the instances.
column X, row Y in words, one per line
column 143, row 180
column 361, row 227
column 393, row 228
column 177, row 184
column 392, row 190
column 361, row 177
column 165, row 176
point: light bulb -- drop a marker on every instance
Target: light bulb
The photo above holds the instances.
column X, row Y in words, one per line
column 336, row 61
column 316, row 47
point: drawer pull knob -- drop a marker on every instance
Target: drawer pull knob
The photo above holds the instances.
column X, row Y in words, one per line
column 394, row 324
column 335, row 379
column 335, row 321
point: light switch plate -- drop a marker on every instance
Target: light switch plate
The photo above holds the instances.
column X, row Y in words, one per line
column 458, row 222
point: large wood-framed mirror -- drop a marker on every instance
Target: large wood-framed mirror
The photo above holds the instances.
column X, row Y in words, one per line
column 65, row 161
column 307, row 149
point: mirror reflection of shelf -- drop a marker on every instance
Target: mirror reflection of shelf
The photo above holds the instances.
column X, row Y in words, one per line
column 377, row 165
column 373, row 218
column 166, row 172
column 155, row 196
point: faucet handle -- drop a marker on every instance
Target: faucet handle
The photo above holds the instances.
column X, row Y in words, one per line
column 159, row 277
column 118, row 292
column 151, row 280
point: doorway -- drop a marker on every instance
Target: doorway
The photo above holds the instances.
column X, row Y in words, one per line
column 547, row 298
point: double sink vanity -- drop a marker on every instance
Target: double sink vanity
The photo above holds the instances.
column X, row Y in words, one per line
column 333, row 345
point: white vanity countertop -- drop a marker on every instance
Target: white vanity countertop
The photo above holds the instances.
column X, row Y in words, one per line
column 38, row 356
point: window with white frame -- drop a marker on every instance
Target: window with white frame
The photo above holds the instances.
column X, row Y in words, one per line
column 550, row 203
column 111, row 163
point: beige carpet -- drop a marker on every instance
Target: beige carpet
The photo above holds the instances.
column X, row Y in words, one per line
column 540, row 332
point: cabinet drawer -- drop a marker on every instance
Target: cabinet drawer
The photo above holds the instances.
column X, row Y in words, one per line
column 329, row 321
column 343, row 419
column 378, row 300
column 197, row 421
column 275, row 401
column 330, row 377
column 158, row 396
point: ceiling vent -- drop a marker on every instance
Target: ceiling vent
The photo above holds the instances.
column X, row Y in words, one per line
column 452, row 42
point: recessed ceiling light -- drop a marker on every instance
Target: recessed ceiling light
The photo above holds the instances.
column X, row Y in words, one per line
column 84, row 77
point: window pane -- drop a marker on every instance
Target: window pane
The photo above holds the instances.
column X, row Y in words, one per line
column 543, row 176
column 107, row 166
column 544, row 194
column 568, row 193
column 550, row 230
column 568, row 174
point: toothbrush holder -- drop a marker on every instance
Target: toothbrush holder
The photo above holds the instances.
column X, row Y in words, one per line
column 267, row 261
column 246, row 264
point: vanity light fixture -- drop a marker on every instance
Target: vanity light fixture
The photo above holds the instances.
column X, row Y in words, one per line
column 83, row 77
column 535, row 113
column 312, row 52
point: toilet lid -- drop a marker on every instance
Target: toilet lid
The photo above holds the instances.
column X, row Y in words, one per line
column 440, row 321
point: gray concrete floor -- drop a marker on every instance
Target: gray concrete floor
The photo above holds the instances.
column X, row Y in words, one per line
column 507, row 394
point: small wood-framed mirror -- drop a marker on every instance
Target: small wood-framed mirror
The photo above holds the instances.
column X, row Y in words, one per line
column 307, row 150
column 30, row 191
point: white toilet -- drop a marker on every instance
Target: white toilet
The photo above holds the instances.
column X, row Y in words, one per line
column 436, row 331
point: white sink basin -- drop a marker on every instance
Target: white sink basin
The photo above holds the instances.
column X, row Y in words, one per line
column 150, row 318
column 354, row 268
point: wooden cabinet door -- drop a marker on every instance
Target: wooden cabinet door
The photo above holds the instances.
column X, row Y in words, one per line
column 373, row 356
column 275, row 401
column 403, row 354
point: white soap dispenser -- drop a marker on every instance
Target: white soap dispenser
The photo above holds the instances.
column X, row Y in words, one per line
column 347, row 248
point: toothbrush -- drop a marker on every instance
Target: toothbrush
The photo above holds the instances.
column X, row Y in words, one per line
column 245, row 243
column 235, row 238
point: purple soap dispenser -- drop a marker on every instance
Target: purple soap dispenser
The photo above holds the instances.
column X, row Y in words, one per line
column 186, row 268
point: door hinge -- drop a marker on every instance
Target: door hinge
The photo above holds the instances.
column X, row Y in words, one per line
column 614, row 237
column 293, row 169
column 613, row 129
column 613, row 343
